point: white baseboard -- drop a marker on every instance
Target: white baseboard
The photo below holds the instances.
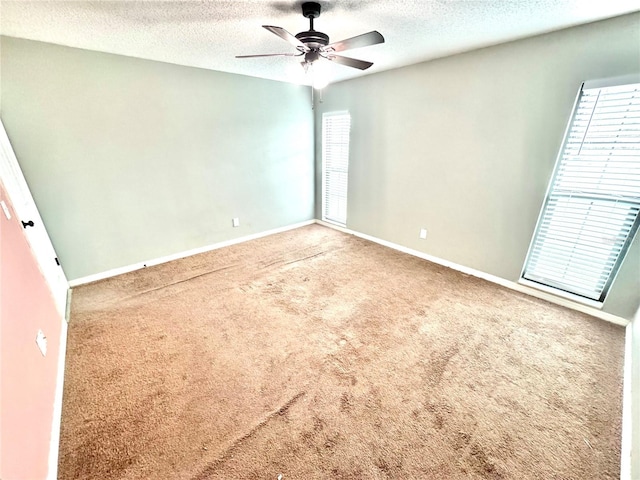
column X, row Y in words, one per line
column 440, row 261
column 630, row 445
column 487, row 276
column 627, row 420
column 54, row 443
column 157, row 261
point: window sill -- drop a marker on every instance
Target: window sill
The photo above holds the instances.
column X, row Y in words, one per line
column 333, row 222
column 561, row 293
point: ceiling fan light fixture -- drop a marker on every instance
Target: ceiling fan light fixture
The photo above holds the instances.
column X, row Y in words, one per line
column 319, row 75
column 311, row 56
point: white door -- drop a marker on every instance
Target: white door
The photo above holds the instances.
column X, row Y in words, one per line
column 34, row 229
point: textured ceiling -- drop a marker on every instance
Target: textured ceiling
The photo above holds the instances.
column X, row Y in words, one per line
column 208, row 34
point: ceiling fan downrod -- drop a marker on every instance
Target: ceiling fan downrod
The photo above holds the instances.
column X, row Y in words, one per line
column 311, row 38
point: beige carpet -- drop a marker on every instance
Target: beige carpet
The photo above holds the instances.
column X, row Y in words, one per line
column 317, row 355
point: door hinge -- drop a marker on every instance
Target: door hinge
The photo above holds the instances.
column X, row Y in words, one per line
column 57, row 261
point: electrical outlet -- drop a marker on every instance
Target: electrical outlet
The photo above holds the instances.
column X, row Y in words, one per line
column 235, row 222
column 41, row 341
column 423, row 233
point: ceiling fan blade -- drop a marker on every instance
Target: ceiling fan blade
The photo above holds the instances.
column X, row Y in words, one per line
column 364, row 40
column 282, row 33
column 349, row 62
column 271, row 55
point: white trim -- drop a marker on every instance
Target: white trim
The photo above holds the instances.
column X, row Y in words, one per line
column 157, row 261
column 323, row 172
column 487, row 276
column 627, row 420
column 54, row 443
column 561, row 293
column 337, row 225
column 534, row 292
column 342, row 229
column 24, row 208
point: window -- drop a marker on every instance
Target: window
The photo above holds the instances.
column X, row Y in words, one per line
column 591, row 210
column 335, row 166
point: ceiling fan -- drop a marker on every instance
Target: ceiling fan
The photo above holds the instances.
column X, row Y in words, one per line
column 314, row 45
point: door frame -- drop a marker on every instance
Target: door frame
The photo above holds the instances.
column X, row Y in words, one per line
column 26, row 210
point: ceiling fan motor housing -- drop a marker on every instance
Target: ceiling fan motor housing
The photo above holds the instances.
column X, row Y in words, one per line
column 313, row 39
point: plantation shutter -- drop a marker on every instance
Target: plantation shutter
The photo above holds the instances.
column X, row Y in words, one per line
column 591, row 210
column 335, row 159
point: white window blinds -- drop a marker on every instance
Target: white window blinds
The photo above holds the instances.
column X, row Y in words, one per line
column 335, row 163
column 591, row 210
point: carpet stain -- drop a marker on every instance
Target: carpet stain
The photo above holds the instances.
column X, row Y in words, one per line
column 436, row 366
column 461, row 440
column 346, row 401
column 439, row 413
column 481, row 463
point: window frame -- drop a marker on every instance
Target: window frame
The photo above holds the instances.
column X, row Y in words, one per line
column 323, row 206
column 598, row 83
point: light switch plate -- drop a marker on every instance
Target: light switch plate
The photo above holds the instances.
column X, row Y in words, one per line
column 41, row 341
column 235, row 222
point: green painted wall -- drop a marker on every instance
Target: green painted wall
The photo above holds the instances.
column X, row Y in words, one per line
column 130, row 160
column 464, row 146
